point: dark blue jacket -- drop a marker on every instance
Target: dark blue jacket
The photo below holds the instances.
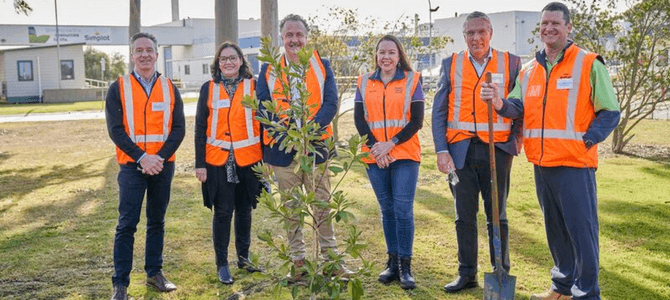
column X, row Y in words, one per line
column 459, row 150
column 274, row 156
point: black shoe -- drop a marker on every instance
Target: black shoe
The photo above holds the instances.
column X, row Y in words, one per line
column 120, row 292
column 161, row 283
column 461, row 283
column 224, row 275
column 406, row 280
column 245, row 263
column 391, row 272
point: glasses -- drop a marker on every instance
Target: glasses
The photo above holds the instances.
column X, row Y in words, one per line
column 232, row 59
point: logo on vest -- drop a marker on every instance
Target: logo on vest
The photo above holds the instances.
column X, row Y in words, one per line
column 534, row 91
column 398, row 90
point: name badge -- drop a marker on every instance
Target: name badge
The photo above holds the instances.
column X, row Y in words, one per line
column 157, row 106
column 564, row 84
column 224, row 103
column 497, row 78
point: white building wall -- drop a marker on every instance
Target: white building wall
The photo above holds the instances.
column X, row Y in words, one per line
column 511, row 31
column 46, row 70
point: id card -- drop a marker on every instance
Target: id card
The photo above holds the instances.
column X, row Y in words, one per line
column 223, row 103
column 497, row 78
column 157, row 106
column 564, row 84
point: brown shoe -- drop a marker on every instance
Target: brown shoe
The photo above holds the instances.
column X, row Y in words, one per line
column 161, row 283
column 296, row 274
column 550, row 295
column 343, row 272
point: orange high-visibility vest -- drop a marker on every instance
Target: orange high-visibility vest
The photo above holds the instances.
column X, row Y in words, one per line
column 231, row 126
column 315, row 79
column 387, row 111
column 465, row 98
column 558, row 111
column 148, row 120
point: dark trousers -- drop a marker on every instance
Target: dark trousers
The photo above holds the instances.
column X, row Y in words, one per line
column 228, row 198
column 568, row 200
column 132, row 187
column 475, row 178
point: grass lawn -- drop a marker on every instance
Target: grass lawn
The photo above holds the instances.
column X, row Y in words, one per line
column 34, row 108
column 58, row 201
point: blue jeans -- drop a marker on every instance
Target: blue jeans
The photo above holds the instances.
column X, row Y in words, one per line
column 132, row 187
column 570, row 206
column 394, row 187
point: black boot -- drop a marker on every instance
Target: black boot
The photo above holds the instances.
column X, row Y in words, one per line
column 391, row 272
column 406, row 280
column 245, row 263
column 224, row 275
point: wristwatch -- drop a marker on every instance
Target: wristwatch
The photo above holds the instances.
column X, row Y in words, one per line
column 394, row 140
column 588, row 144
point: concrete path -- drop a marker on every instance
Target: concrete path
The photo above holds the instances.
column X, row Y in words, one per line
column 189, row 110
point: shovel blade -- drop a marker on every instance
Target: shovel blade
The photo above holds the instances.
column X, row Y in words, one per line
column 499, row 286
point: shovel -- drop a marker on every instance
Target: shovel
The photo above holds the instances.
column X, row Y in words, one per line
column 498, row 285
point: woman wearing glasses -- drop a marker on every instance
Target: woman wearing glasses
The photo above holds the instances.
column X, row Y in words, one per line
column 227, row 145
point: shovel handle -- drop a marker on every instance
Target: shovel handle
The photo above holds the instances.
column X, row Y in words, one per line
column 495, row 210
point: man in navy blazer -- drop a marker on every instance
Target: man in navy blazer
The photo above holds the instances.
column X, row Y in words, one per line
column 460, row 133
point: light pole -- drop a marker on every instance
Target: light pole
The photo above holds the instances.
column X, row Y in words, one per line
column 431, row 10
column 60, row 71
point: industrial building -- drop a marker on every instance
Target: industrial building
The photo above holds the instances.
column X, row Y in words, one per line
column 186, row 47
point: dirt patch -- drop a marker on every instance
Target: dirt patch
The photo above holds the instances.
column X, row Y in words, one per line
column 655, row 153
column 650, row 152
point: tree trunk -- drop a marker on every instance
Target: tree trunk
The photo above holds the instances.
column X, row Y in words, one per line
column 225, row 19
column 134, row 26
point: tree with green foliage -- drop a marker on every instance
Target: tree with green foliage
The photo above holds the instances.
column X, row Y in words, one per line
column 114, row 65
column 303, row 139
column 349, row 42
column 635, row 43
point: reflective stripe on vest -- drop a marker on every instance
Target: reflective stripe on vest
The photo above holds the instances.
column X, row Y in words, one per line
column 314, row 65
column 500, row 124
column 569, row 133
column 406, row 105
column 248, row 117
column 167, row 113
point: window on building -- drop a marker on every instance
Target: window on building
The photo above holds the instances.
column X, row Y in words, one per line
column 205, row 68
column 25, row 70
column 67, row 69
column 187, row 70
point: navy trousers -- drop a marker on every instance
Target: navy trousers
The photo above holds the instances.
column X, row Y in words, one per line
column 475, row 178
column 568, row 200
column 132, row 187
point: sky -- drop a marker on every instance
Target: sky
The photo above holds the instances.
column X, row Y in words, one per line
column 99, row 12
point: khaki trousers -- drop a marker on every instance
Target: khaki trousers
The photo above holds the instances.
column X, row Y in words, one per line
column 287, row 179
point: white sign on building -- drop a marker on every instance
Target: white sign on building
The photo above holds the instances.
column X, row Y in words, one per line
column 69, row 35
